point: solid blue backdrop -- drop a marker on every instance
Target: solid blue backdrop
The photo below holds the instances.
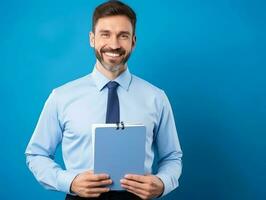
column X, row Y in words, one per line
column 208, row 56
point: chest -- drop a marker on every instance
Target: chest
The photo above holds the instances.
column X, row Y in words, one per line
column 78, row 116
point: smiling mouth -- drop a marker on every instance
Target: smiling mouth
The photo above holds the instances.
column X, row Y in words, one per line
column 112, row 55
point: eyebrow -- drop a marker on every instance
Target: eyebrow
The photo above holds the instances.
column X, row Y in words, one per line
column 120, row 33
column 124, row 32
column 104, row 31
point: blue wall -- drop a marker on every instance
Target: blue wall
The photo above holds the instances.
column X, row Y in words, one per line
column 208, row 56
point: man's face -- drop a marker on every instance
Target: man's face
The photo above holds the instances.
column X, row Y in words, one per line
column 113, row 41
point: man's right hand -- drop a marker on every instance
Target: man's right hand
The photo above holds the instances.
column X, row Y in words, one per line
column 88, row 184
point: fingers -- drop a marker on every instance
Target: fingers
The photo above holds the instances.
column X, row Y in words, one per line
column 134, row 184
column 138, row 178
column 97, row 190
column 88, row 184
column 99, row 183
column 134, row 190
column 146, row 187
column 95, row 177
column 91, row 192
column 88, row 194
column 130, row 183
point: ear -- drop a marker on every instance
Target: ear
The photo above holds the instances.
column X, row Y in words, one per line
column 92, row 39
column 134, row 40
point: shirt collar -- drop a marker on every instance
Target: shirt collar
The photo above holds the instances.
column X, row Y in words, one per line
column 100, row 80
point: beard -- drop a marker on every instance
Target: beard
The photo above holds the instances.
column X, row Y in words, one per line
column 110, row 67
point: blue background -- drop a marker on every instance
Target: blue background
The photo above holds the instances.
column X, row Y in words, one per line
column 209, row 57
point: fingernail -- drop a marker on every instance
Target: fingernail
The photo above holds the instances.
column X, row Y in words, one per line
column 126, row 176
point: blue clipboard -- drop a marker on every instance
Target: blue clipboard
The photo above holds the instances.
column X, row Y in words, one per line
column 118, row 150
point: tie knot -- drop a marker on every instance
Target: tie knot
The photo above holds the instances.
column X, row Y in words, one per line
column 112, row 85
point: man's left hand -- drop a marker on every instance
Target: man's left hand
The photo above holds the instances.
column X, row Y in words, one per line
column 146, row 187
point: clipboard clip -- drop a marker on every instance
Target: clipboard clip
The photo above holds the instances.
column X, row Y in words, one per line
column 118, row 125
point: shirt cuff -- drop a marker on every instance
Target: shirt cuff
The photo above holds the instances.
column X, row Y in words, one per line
column 168, row 185
column 65, row 179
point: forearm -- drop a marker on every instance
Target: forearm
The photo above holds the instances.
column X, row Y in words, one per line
column 49, row 174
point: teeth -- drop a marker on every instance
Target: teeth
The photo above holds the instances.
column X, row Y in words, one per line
column 112, row 54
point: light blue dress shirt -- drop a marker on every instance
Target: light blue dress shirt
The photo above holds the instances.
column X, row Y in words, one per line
column 71, row 109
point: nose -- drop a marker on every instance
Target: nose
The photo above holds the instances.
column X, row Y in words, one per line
column 114, row 43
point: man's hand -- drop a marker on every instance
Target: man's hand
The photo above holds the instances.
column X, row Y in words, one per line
column 88, row 184
column 146, row 187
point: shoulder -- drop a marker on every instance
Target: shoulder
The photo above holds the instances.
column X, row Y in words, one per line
column 74, row 85
column 146, row 87
column 73, row 89
column 150, row 95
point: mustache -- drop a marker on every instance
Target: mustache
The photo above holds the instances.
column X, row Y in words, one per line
column 110, row 50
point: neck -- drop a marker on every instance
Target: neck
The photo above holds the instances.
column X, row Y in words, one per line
column 109, row 74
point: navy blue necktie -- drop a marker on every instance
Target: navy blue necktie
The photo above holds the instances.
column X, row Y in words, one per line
column 112, row 114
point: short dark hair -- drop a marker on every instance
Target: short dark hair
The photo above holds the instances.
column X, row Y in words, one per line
column 113, row 8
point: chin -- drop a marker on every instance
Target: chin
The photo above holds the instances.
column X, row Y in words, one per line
column 112, row 64
column 112, row 67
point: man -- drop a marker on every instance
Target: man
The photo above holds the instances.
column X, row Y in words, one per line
column 108, row 94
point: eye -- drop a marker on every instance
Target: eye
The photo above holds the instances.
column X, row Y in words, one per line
column 124, row 36
column 104, row 35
